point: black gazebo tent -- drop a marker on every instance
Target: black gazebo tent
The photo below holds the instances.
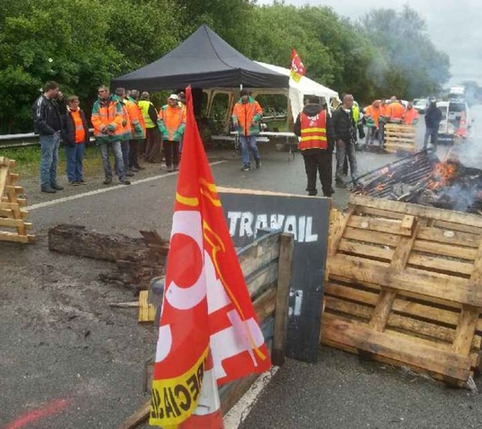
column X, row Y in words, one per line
column 204, row 60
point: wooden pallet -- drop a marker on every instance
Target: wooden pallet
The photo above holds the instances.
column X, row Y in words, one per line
column 266, row 265
column 400, row 138
column 405, row 287
column 11, row 214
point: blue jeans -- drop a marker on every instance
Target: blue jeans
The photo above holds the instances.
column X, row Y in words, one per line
column 74, row 156
column 118, row 160
column 50, row 157
column 251, row 142
column 125, row 146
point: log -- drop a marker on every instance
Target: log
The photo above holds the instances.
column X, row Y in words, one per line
column 138, row 260
column 77, row 240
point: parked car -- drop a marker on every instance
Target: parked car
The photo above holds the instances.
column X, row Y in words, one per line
column 452, row 114
column 420, row 104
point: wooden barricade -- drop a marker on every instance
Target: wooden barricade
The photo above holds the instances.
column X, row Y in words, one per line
column 400, row 138
column 11, row 214
column 266, row 265
column 405, row 287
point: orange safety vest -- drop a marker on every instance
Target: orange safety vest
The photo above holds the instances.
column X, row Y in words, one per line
column 410, row 116
column 172, row 117
column 374, row 113
column 396, row 111
column 79, row 126
column 313, row 131
column 105, row 114
column 135, row 115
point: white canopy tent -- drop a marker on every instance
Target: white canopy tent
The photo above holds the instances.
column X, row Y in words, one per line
column 295, row 93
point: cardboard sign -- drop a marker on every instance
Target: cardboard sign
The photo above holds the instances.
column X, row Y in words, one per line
column 307, row 218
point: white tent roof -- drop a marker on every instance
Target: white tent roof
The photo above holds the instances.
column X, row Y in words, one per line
column 298, row 90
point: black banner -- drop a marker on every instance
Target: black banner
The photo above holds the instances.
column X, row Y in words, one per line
column 307, row 218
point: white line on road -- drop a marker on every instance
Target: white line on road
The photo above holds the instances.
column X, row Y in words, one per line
column 238, row 413
column 101, row 191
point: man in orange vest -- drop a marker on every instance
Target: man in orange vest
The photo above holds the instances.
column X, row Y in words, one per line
column 246, row 116
column 316, row 144
column 396, row 111
column 171, row 123
column 372, row 118
column 107, row 117
column 411, row 115
column 75, row 135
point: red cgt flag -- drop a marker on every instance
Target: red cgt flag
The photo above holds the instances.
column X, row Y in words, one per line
column 297, row 68
column 206, row 304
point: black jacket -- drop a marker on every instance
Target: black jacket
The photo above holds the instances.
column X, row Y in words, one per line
column 68, row 128
column 433, row 116
column 47, row 115
column 344, row 127
column 313, row 110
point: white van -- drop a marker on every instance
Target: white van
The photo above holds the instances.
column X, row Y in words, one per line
column 452, row 113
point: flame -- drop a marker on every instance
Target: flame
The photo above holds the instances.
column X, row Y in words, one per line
column 442, row 174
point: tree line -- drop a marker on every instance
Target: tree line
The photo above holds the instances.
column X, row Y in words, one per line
column 84, row 43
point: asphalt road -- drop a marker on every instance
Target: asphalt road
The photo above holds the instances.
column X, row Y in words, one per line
column 68, row 360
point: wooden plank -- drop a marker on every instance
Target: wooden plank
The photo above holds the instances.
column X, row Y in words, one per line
column 138, row 417
column 401, row 305
column 374, row 224
column 282, row 299
column 399, row 261
column 382, row 238
column 458, row 227
column 338, row 230
column 365, row 251
column 445, row 249
column 418, row 210
column 147, row 312
column 380, row 213
column 464, row 334
column 435, row 333
column 356, row 335
column 264, row 306
column 14, row 237
column 232, row 392
column 3, row 178
column 441, row 264
column 14, row 223
column 259, row 253
column 410, row 280
column 258, row 281
column 457, row 238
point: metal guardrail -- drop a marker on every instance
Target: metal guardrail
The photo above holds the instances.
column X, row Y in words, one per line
column 8, row 141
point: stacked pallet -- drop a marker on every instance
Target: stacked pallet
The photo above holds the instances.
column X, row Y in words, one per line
column 405, row 287
column 12, row 224
column 400, row 138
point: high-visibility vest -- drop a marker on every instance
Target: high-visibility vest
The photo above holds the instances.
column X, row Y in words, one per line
column 313, row 131
column 410, row 116
column 79, row 126
column 144, row 106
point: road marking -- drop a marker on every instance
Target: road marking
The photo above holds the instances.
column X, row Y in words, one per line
column 238, row 413
column 101, row 191
column 52, row 408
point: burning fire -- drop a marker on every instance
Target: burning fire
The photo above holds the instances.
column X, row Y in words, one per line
column 442, row 174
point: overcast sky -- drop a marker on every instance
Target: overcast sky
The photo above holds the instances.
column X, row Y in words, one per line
column 455, row 26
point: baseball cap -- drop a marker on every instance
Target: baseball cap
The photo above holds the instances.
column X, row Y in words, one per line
column 173, row 97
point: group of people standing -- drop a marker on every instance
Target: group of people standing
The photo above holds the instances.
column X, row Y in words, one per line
column 122, row 122
column 381, row 112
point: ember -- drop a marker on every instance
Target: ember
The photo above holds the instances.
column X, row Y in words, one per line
column 423, row 179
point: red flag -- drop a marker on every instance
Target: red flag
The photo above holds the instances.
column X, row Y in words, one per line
column 297, row 68
column 206, row 301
